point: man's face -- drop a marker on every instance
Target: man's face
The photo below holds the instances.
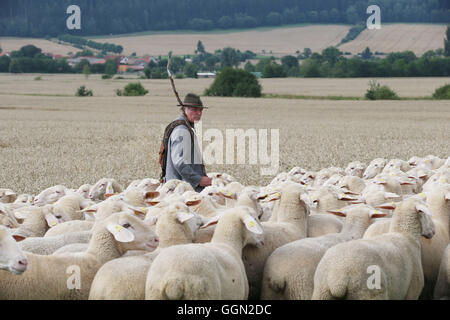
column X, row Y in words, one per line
column 193, row 114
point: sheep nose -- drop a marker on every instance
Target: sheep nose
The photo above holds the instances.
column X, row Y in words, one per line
column 23, row 262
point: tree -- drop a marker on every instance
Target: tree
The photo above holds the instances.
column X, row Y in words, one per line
column 229, row 58
column 200, row 47
column 236, row 83
column 4, row 63
column 447, row 42
column 14, row 66
column 190, row 70
column 289, row 61
column 225, row 22
column 307, row 53
column 249, row 67
column 86, row 71
column 366, row 54
column 332, row 55
column 30, row 51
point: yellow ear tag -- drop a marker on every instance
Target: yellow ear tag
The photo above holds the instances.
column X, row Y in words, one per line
column 312, row 197
column 427, row 160
column 443, row 180
column 143, row 209
column 54, row 224
column 376, row 211
column 392, row 202
column 118, row 228
column 422, row 194
column 251, row 224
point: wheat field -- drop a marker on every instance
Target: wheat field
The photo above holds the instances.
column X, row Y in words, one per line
column 9, row 44
column 48, row 136
column 275, row 41
column 417, row 38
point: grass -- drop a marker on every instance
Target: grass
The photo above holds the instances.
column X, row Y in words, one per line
column 48, row 138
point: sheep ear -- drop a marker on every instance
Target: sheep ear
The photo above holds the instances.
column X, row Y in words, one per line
column 184, row 216
column 339, row 213
column 152, row 203
column 120, row 233
column 346, row 191
column 212, row 221
column 109, row 190
column 18, row 238
column 151, row 194
column 376, row 214
column 345, row 197
column 190, row 203
column 252, row 225
column 388, row 206
column 151, row 221
column 407, row 183
column 228, row 194
column 358, row 201
column 273, row 197
column 423, row 208
column 51, row 220
column 390, row 195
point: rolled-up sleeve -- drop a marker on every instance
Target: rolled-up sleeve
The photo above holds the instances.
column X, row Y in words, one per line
column 181, row 156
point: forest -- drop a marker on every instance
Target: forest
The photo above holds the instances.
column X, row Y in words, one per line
column 104, row 17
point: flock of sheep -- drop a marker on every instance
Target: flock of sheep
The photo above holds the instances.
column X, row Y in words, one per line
column 379, row 231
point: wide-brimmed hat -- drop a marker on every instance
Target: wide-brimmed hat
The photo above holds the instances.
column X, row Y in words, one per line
column 192, row 100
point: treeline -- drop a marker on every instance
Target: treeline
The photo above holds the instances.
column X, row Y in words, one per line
column 331, row 63
column 29, row 59
column 48, row 17
column 79, row 42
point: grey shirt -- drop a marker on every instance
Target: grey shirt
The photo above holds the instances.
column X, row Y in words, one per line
column 184, row 160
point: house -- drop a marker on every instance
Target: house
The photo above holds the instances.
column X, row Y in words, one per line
column 206, row 74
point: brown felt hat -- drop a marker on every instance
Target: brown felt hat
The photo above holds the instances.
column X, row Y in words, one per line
column 192, row 100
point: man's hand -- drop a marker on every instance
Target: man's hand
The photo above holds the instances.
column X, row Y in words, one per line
column 206, row 181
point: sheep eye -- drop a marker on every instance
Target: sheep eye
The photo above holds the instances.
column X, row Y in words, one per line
column 126, row 225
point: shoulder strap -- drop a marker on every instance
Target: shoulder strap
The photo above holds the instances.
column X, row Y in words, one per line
column 165, row 142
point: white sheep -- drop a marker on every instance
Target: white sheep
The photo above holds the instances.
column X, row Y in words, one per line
column 355, row 168
column 69, row 276
column 12, row 258
column 209, row 270
column 288, row 224
column 345, row 269
column 375, row 167
column 124, row 278
column 48, row 245
column 352, row 183
column 69, row 226
column 50, row 195
column 442, row 288
column 289, row 271
column 104, row 188
column 329, row 197
column 7, row 196
column 396, row 164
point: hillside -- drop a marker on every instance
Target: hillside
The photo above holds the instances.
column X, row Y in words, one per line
column 418, row 38
column 11, row 44
column 277, row 42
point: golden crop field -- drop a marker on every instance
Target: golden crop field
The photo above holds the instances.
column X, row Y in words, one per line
column 276, row 41
column 10, row 44
column 46, row 139
column 417, row 38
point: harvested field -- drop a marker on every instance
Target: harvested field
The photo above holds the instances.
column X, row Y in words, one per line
column 11, row 44
column 48, row 140
column 277, row 41
column 417, row 38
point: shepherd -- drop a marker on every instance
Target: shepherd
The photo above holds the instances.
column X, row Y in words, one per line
column 180, row 156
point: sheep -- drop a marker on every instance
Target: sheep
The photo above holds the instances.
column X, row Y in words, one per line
column 7, row 196
column 147, row 184
column 397, row 164
column 39, row 221
column 104, row 188
column 12, row 258
column 438, row 202
column 69, row 226
column 328, row 198
column 110, row 239
column 324, row 174
column 83, row 190
column 442, row 288
column 352, row 183
column 124, row 278
column 7, row 218
column 73, row 247
column 24, row 199
column 333, row 180
column 439, row 179
column 289, row 224
column 209, row 270
column 289, row 271
column 342, row 273
column 48, row 245
column 355, row 168
column 375, row 167
column 50, row 195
